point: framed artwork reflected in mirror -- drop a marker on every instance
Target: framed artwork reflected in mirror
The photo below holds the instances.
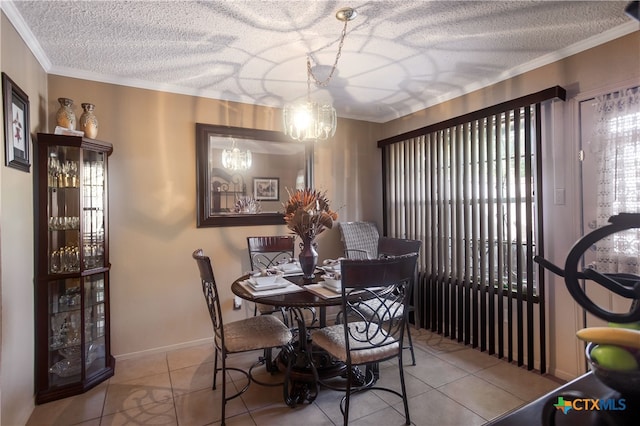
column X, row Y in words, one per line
column 266, row 189
column 225, row 185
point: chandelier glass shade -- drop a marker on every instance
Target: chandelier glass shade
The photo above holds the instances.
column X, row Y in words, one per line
column 313, row 121
column 309, row 121
column 235, row 159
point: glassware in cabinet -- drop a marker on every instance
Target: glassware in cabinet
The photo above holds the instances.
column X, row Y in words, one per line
column 63, row 209
column 65, row 317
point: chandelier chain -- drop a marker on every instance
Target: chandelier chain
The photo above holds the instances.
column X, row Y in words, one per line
column 314, row 121
column 326, row 81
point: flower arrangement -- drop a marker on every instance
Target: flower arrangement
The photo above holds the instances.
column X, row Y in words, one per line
column 307, row 213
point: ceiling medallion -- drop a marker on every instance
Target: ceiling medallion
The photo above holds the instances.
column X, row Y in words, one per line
column 311, row 120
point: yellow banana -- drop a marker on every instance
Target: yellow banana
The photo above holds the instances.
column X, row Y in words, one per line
column 610, row 336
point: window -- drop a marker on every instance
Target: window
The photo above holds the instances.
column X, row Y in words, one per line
column 616, row 143
column 470, row 190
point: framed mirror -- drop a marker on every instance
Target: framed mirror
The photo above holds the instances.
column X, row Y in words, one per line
column 231, row 194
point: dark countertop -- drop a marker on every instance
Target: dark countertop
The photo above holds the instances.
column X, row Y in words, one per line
column 587, row 388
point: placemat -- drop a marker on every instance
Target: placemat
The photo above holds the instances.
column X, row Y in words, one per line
column 322, row 291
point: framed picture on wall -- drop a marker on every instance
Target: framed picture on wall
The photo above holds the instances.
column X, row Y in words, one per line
column 16, row 125
column 267, row 189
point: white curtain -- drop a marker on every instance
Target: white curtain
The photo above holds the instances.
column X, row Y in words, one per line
column 617, row 142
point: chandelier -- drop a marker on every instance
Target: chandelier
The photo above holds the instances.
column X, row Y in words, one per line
column 235, row 159
column 311, row 120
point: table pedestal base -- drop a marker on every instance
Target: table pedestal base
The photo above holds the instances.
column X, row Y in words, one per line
column 303, row 376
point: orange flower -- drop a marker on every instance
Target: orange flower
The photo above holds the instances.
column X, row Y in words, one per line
column 307, row 213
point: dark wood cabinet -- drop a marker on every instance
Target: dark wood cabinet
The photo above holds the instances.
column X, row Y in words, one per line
column 72, row 266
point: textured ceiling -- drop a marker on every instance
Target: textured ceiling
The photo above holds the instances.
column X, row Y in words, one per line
column 398, row 57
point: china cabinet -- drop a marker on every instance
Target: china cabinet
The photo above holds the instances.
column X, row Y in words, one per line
column 71, row 266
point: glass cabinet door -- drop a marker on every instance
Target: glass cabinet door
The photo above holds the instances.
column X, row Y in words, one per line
column 70, row 247
column 95, row 323
column 69, row 316
column 93, row 214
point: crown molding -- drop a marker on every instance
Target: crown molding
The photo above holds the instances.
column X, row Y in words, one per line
column 24, row 31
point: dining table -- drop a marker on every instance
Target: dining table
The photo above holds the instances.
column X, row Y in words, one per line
column 303, row 363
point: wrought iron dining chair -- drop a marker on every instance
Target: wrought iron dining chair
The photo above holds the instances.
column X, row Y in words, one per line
column 360, row 237
column 258, row 332
column 388, row 246
column 380, row 286
column 266, row 252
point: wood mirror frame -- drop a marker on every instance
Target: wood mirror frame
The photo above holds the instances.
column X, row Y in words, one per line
column 205, row 216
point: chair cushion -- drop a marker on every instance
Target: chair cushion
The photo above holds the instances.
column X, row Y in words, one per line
column 264, row 331
column 332, row 340
column 267, row 309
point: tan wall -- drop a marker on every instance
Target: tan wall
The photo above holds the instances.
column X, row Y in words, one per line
column 16, row 240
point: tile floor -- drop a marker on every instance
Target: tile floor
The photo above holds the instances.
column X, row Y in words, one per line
column 450, row 385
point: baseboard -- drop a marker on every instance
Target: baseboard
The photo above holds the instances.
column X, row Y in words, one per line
column 161, row 349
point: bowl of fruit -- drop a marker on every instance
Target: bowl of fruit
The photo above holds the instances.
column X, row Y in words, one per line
column 614, row 356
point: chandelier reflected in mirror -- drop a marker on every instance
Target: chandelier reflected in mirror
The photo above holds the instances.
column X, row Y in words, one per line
column 309, row 120
column 236, row 159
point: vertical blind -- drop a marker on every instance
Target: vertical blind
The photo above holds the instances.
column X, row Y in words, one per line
column 470, row 189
